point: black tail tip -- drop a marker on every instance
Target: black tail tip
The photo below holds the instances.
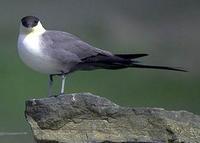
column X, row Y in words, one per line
column 182, row 70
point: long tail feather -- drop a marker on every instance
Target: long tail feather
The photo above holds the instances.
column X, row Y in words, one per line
column 134, row 64
column 157, row 67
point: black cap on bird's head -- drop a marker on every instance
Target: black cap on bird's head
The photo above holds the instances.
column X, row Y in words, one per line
column 29, row 21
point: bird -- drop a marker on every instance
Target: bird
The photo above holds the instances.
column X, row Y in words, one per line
column 58, row 53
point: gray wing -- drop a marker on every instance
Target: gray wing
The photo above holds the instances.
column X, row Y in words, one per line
column 68, row 48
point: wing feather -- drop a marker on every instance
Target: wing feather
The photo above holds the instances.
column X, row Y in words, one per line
column 66, row 47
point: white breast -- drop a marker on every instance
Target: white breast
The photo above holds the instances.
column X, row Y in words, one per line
column 30, row 51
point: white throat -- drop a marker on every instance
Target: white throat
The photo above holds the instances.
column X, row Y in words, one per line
column 38, row 29
column 29, row 38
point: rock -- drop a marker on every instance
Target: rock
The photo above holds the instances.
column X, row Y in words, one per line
column 86, row 118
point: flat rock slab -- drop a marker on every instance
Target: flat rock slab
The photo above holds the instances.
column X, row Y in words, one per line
column 87, row 118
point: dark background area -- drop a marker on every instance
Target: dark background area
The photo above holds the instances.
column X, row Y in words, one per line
column 168, row 30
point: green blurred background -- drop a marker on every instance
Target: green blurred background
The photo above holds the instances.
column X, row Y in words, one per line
column 168, row 30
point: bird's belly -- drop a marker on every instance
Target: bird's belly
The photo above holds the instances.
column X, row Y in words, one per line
column 33, row 57
column 39, row 62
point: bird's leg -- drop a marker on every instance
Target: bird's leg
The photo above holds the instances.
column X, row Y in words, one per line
column 63, row 77
column 50, row 83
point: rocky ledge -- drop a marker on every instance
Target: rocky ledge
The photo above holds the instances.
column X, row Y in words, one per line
column 87, row 118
